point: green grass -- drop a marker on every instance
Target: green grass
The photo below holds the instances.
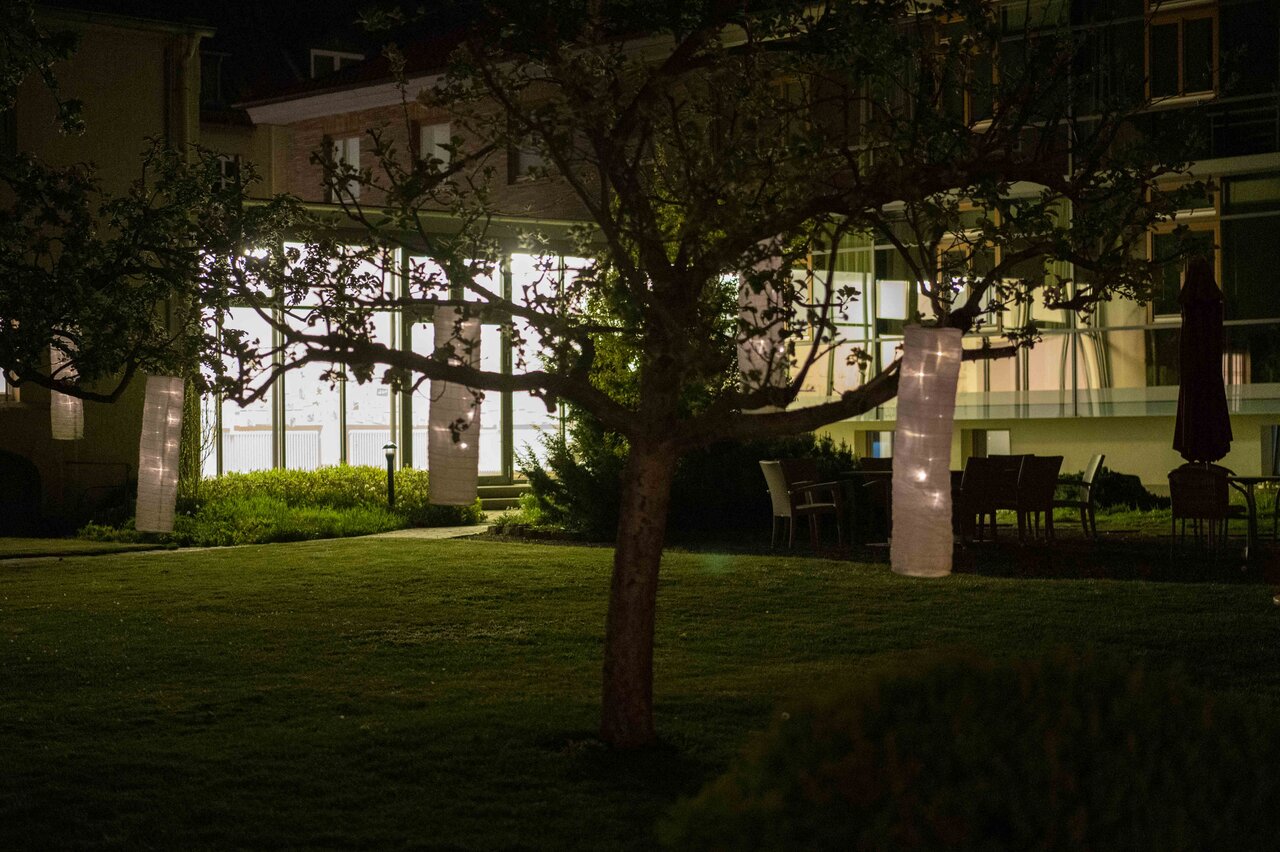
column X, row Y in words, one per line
column 19, row 548
column 443, row 694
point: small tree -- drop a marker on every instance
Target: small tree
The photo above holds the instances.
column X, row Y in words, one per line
column 739, row 140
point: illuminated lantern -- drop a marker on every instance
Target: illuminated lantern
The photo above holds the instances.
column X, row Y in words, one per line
column 66, row 413
column 762, row 357
column 453, row 433
column 158, row 454
column 922, row 538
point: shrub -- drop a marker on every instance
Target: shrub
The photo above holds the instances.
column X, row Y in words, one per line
column 341, row 487
column 1124, row 489
column 716, row 488
column 1113, row 489
column 1058, row 752
column 294, row 505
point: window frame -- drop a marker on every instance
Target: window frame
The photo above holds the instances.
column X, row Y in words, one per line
column 341, row 59
column 340, row 148
column 1179, row 12
column 443, row 154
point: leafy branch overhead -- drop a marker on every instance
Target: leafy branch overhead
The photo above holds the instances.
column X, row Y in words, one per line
column 727, row 146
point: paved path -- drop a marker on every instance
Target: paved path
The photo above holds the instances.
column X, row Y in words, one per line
column 76, row 549
column 433, row 532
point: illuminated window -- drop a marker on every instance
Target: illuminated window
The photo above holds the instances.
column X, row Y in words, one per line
column 346, row 153
column 228, row 170
column 433, row 142
column 525, row 162
column 325, row 62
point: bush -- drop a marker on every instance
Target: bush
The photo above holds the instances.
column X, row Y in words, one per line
column 1113, row 489
column 716, row 488
column 1059, row 752
column 294, row 505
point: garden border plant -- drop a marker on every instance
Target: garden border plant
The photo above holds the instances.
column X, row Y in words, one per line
column 295, row 505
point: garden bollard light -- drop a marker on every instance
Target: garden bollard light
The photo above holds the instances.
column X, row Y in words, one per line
column 390, row 450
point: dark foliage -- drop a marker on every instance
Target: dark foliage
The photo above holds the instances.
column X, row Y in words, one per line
column 717, row 488
column 1114, row 489
column 1058, row 752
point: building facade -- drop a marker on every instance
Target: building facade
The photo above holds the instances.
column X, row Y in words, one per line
column 139, row 79
column 1106, row 383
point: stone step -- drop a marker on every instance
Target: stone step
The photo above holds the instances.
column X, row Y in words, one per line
column 501, row 497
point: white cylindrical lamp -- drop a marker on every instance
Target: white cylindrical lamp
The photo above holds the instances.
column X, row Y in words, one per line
column 762, row 356
column 453, row 420
column 158, row 451
column 921, row 545
column 66, row 413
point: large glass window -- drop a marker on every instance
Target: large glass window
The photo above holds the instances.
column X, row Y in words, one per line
column 246, row 433
column 312, row 414
column 536, row 281
column 369, row 409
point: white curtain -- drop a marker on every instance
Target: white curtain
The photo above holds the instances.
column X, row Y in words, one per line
column 453, row 422
column 922, row 537
column 66, row 413
column 158, row 451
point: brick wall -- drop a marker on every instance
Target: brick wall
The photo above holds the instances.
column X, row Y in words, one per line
column 544, row 198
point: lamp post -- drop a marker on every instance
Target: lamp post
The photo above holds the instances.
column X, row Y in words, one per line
column 390, row 450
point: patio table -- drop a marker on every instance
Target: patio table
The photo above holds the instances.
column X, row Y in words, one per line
column 1248, row 483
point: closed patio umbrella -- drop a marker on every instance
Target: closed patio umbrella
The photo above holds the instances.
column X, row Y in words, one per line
column 1202, row 432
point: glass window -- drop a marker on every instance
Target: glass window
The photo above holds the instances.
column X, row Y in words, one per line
column 1164, row 60
column 370, row 409
column 1252, row 194
column 1250, row 259
column 346, row 155
column 1164, row 301
column 312, row 414
column 247, row 438
column 433, row 142
column 1197, row 55
column 1181, row 53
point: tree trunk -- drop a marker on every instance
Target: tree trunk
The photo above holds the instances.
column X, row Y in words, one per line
column 627, row 705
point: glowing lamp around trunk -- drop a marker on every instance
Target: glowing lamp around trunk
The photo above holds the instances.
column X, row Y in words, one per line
column 922, row 537
column 158, row 451
column 453, row 421
column 66, row 413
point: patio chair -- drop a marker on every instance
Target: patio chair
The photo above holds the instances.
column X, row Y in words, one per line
column 1083, row 501
column 796, row 493
column 874, row 481
column 989, row 483
column 1200, row 493
column 1037, row 482
column 875, row 464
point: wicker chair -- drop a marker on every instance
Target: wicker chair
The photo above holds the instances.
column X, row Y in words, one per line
column 1037, row 482
column 1200, row 493
column 1083, row 501
column 796, row 493
column 989, row 484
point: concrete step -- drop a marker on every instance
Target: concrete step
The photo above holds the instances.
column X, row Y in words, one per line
column 501, row 497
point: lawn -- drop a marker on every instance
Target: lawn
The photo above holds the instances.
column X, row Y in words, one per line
column 367, row 693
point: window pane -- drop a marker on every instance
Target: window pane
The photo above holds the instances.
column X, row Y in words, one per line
column 1251, row 256
column 246, row 432
column 1197, row 55
column 369, row 409
column 1164, row 60
column 1252, row 194
column 312, row 411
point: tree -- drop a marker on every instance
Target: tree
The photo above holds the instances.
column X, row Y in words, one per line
column 110, row 281
column 731, row 139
